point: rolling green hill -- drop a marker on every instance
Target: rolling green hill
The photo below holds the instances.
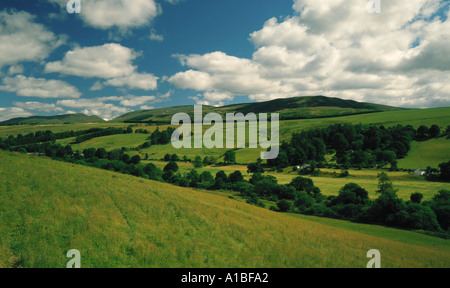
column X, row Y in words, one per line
column 114, row 220
column 60, row 119
column 291, row 108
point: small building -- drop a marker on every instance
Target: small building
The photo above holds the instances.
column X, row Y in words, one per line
column 420, row 172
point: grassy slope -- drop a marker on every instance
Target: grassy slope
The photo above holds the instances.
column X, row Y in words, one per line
column 115, row 220
column 426, row 153
column 290, row 108
column 5, row 131
column 59, row 119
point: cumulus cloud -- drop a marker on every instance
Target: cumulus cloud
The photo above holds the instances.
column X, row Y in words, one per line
column 39, row 87
column 13, row 112
column 110, row 61
column 142, row 81
column 24, row 40
column 108, row 107
column 123, row 14
column 96, row 107
column 38, row 106
column 156, row 37
column 107, row 61
column 400, row 57
column 15, row 69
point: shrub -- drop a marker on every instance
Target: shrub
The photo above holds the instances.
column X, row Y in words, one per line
column 421, row 217
column 255, row 201
column 167, row 157
column 441, row 207
column 351, row 194
column 416, row 198
column 175, row 158
column 303, row 201
column 303, row 184
column 284, row 205
column 236, row 177
column 320, row 210
column 171, row 166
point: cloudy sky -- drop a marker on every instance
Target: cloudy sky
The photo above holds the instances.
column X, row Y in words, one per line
column 117, row 56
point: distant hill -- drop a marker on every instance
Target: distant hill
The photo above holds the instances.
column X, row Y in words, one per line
column 60, row 119
column 306, row 107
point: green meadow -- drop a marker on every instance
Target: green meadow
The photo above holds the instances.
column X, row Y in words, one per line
column 114, row 220
column 50, row 207
column 426, row 153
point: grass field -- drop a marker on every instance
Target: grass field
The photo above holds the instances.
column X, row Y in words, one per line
column 115, row 220
column 405, row 182
column 426, row 153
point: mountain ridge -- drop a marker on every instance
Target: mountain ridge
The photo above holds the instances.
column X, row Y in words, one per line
column 57, row 119
column 302, row 107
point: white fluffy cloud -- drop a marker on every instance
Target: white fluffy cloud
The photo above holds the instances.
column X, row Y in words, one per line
column 400, row 57
column 13, row 112
column 107, row 61
column 110, row 61
column 39, row 87
column 95, row 107
column 124, row 14
column 108, row 107
column 142, row 81
column 38, row 106
column 24, row 40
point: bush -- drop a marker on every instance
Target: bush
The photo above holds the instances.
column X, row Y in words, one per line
column 175, row 158
column 153, row 172
column 349, row 211
column 421, row 217
column 303, row 184
column 171, row 166
column 254, row 200
column 441, row 208
column 351, row 194
column 344, row 174
column 136, row 160
column 284, row 205
column 236, row 177
column 416, row 198
column 320, row 210
column 167, row 157
column 387, row 205
column 303, row 201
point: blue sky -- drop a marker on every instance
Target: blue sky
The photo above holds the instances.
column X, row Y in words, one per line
column 125, row 55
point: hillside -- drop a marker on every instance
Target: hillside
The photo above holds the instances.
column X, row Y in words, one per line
column 59, row 119
column 114, row 220
column 290, row 108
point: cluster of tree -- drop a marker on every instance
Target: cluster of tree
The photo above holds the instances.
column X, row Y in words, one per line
column 113, row 155
column 441, row 174
column 353, row 203
column 423, row 132
column 40, row 137
column 230, row 157
column 171, row 157
column 103, row 132
column 161, row 137
column 356, row 146
column 141, row 131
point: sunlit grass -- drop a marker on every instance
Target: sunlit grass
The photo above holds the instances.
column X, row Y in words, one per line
column 114, row 220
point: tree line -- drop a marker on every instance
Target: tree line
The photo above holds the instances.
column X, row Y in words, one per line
column 356, row 146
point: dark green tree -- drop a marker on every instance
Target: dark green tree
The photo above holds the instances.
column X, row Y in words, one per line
column 171, row 166
column 416, row 197
column 230, row 157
